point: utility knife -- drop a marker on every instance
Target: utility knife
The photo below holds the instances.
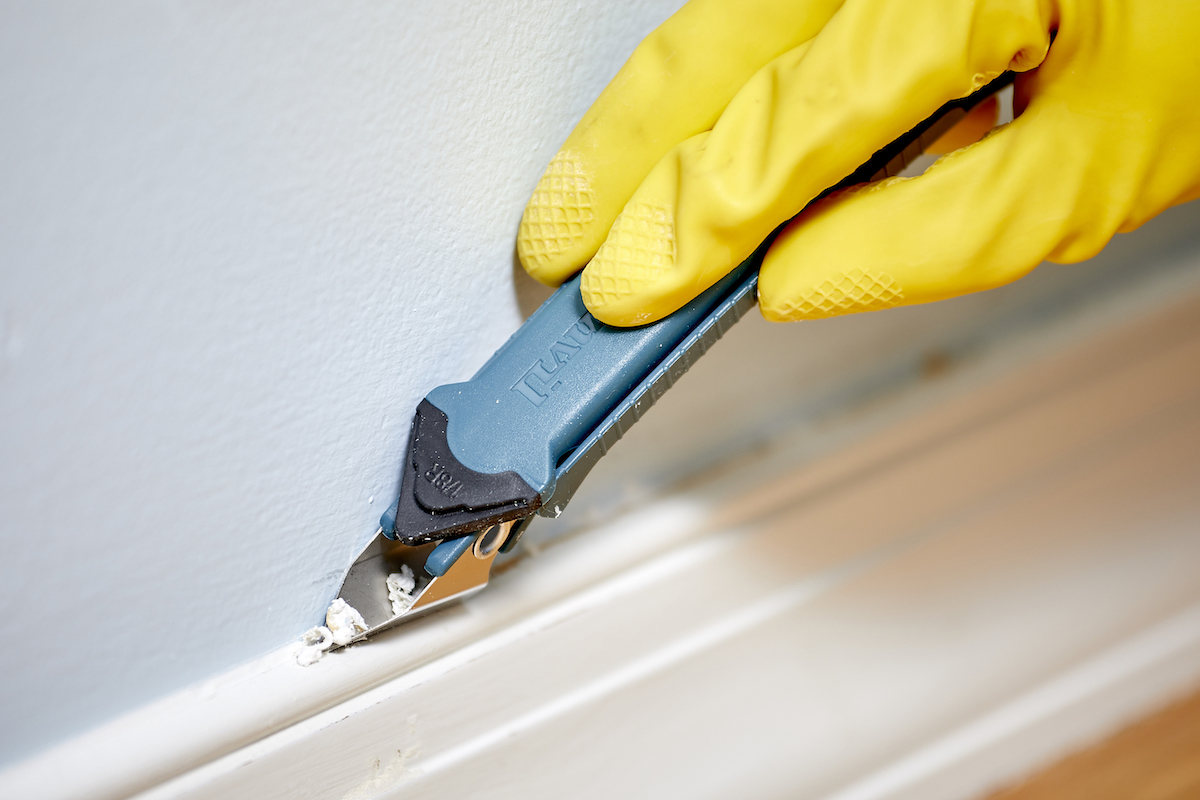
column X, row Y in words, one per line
column 517, row 439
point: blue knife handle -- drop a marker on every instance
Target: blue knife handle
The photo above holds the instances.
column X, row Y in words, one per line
column 565, row 387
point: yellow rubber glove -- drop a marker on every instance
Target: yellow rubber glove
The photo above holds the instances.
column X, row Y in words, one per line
column 734, row 114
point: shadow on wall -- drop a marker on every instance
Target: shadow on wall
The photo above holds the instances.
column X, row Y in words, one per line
column 529, row 293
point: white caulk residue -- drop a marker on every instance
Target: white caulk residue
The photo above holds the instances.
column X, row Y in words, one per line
column 344, row 621
column 400, row 587
column 314, row 644
column 342, row 624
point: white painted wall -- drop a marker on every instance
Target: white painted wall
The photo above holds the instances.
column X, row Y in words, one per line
column 237, row 243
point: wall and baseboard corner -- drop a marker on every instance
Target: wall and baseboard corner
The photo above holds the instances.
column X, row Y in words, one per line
column 905, row 554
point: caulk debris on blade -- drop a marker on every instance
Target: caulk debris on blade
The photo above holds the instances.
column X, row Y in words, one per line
column 400, row 587
column 344, row 621
column 315, row 643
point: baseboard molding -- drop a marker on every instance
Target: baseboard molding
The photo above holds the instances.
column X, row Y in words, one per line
column 1082, row 706
column 928, row 612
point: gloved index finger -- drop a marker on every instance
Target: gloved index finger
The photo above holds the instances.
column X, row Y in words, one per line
column 675, row 85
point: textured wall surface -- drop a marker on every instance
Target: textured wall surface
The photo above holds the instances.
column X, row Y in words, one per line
column 237, row 243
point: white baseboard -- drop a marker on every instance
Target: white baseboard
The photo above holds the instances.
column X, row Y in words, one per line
column 1080, row 706
column 931, row 611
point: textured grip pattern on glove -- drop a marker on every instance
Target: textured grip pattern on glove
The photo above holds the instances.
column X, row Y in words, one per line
column 849, row 293
column 640, row 247
column 559, row 212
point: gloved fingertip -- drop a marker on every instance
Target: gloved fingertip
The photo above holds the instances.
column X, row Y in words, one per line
column 772, row 313
column 543, row 273
column 630, row 280
column 789, row 292
column 553, row 238
column 626, row 314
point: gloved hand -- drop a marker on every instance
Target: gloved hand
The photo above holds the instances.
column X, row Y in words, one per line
column 734, row 114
